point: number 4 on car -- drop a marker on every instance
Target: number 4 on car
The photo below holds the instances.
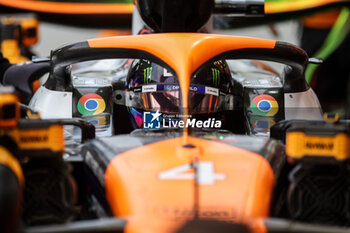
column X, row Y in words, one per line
column 205, row 173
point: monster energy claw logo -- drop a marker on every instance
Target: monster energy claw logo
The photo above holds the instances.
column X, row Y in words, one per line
column 216, row 76
column 147, row 75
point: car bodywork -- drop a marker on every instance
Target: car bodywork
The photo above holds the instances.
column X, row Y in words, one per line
column 158, row 180
column 59, row 87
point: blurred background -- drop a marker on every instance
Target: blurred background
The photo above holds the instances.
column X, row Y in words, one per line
column 53, row 35
column 320, row 27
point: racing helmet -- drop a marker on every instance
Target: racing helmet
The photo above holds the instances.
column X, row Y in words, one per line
column 151, row 88
column 175, row 15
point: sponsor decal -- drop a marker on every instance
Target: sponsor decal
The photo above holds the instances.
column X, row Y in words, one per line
column 91, row 104
column 34, row 138
column 264, row 105
column 320, row 145
column 216, row 76
column 176, row 87
column 198, row 88
column 147, row 75
column 212, row 91
column 149, row 88
column 137, row 89
column 182, row 212
column 171, row 87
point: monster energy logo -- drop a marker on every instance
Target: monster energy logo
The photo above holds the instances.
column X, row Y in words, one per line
column 147, row 75
column 216, row 76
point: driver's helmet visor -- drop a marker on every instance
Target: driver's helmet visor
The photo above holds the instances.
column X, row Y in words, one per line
column 166, row 98
column 151, row 87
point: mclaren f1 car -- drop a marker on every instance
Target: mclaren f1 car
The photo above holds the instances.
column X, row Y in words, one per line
column 211, row 168
column 157, row 179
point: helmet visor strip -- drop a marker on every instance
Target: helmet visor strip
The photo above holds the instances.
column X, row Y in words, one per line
column 166, row 99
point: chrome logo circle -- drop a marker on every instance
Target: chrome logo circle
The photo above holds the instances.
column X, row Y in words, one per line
column 91, row 104
column 264, row 105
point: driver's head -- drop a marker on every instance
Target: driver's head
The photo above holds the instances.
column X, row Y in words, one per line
column 150, row 87
column 175, row 15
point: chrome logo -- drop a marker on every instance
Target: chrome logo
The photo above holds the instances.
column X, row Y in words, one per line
column 91, row 104
column 264, row 105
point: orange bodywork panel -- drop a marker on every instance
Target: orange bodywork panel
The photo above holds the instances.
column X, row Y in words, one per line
column 69, row 8
column 323, row 20
column 7, row 159
column 296, row 5
column 154, row 185
column 184, row 52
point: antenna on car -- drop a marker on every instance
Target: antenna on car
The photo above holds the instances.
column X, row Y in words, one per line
column 195, row 166
column 240, row 8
